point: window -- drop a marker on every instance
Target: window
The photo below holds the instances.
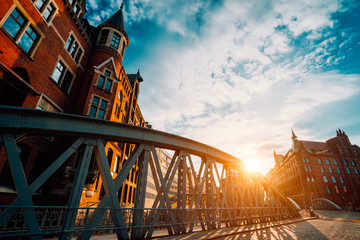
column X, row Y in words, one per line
column 306, row 168
column 98, row 108
column 322, row 169
column 46, row 104
column 74, row 48
column 15, row 25
column 120, row 96
column 76, row 7
column 46, row 8
column 104, row 81
column 116, row 163
column 325, row 179
column 345, row 190
column 103, row 37
column 345, row 162
column 40, row 4
column 303, row 159
column 117, row 110
column 333, row 179
column 62, row 77
column 328, row 190
column 309, row 168
column 307, row 178
column 312, row 179
column 341, row 180
column 352, row 162
column 335, row 162
column 115, row 41
column 330, row 170
column 49, row 11
column 307, row 160
column 348, row 170
column 356, row 171
column 319, row 160
column 327, row 161
column 338, row 169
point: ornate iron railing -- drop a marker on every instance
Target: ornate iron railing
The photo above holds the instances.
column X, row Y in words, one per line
column 214, row 193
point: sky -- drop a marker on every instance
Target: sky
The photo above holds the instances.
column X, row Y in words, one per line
column 239, row 75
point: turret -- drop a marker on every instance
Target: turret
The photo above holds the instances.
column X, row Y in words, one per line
column 112, row 37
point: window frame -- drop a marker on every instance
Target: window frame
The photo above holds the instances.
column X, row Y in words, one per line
column 69, row 46
column 28, row 22
column 66, row 70
column 98, row 106
column 106, row 78
column 115, row 43
column 43, row 9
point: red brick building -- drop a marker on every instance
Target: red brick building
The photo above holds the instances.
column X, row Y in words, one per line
column 311, row 170
column 52, row 59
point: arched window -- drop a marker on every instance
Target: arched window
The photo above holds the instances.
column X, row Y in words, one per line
column 327, row 161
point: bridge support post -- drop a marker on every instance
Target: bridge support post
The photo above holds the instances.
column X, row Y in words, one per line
column 76, row 191
column 21, row 185
column 181, row 197
column 137, row 231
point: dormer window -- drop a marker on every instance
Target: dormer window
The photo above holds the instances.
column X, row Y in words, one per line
column 103, row 37
column 115, row 41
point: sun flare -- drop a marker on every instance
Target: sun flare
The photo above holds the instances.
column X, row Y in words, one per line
column 250, row 166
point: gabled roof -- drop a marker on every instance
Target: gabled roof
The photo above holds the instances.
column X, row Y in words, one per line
column 133, row 77
column 316, row 146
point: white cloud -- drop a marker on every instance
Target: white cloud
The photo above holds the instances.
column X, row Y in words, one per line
column 239, row 83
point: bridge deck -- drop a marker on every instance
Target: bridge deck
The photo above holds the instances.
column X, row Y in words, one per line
column 213, row 234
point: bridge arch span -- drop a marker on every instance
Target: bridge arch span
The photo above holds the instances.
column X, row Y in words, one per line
column 210, row 197
column 324, row 203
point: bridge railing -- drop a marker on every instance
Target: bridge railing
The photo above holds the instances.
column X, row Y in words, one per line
column 217, row 193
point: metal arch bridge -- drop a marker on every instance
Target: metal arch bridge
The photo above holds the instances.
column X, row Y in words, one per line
column 205, row 198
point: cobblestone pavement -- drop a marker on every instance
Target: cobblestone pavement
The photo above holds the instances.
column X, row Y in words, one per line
column 336, row 225
column 311, row 229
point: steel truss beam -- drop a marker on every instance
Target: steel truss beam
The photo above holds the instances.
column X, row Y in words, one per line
column 204, row 198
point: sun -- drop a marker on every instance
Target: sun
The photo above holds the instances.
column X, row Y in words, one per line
column 250, row 166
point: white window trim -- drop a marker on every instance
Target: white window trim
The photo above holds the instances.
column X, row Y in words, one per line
column 71, row 33
column 68, row 69
column 22, row 31
column 45, row 6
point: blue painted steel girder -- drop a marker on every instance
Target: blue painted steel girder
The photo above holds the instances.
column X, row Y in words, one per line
column 33, row 121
